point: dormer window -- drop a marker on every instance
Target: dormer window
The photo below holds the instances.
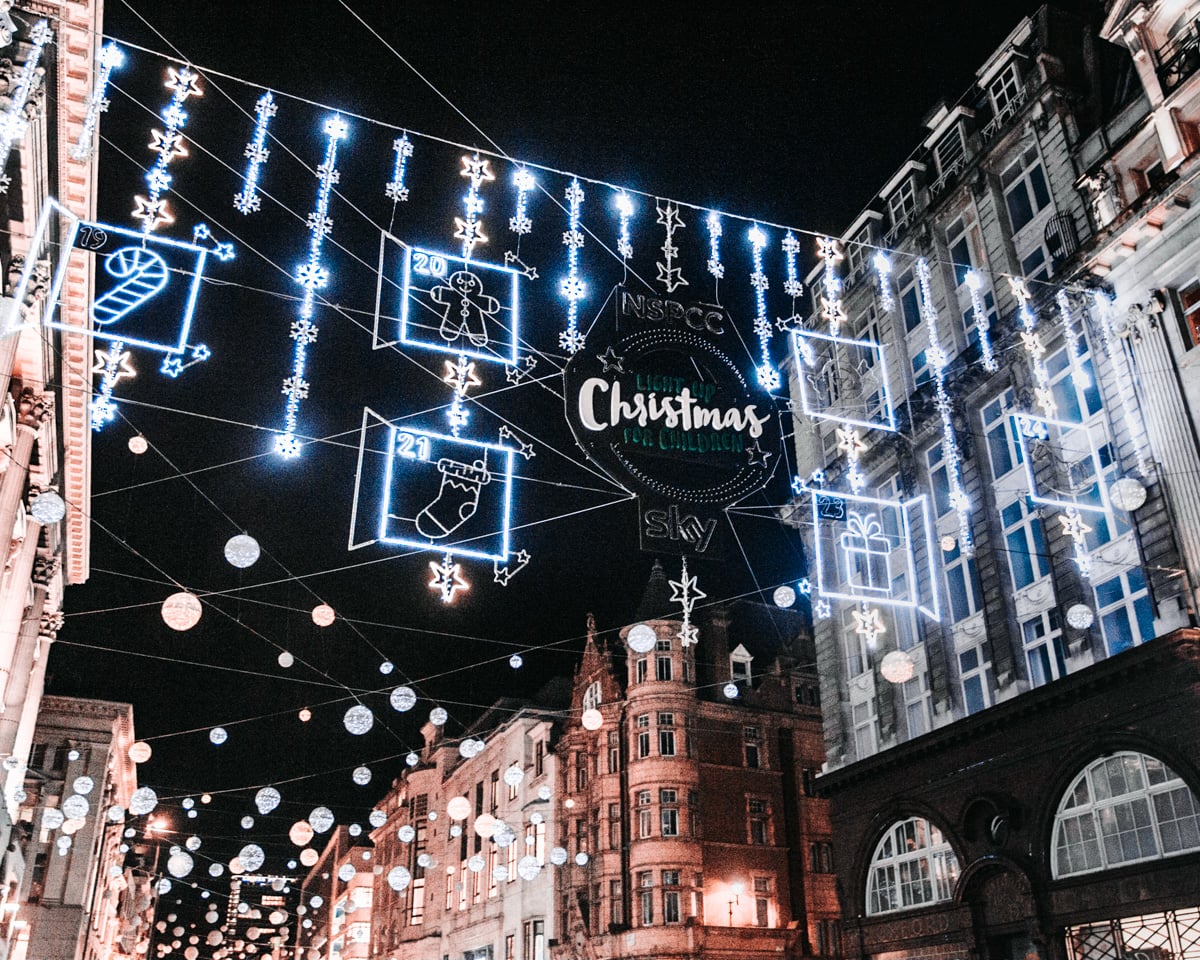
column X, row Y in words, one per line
column 592, row 696
column 902, row 204
column 739, row 664
column 949, row 153
column 1006, row 91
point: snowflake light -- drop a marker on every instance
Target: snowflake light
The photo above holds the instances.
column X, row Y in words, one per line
column 715, row 266
column 520, row 223
column 979, row 313
column 572, row 287
column 111, row 57
column 310, row 275
column 247, row 199
column 395, row 189
column 883, row 277
column 624, row 207
column 951, row 454
column 792, row 285
column 669, row 275
column 768, row 376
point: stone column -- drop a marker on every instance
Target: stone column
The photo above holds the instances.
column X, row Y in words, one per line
column 38, row 629
column 12, row 598
column 33, row 409
column 48, row 628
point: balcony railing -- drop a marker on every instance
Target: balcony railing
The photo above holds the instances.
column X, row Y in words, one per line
column 1179, row 58
column 1062, row 239
column 1003, row 117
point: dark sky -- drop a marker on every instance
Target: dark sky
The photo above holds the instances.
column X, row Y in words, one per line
column 794, row 113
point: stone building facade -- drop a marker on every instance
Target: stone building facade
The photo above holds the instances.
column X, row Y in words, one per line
column 1001, row 778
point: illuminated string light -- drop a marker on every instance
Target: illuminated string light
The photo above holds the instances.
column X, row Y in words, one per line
column 1072, row 524
column 1066, row 315
column 951, row 454
column 469, row 228
column 1102, row 307
column 110, row 58
column 14, row 123
column 151, row 209
column 113, row 365
column 792, row 285
column 768, row 376
column 312, row 276
column 624, row 211
column 395, row 189
column 715, row 266
column 979, row 313
column 685, row 592
column 832, row 311
column 520, row 223
column 572, row 286
column 883, row 276
column 669, row 275
column 248, row 200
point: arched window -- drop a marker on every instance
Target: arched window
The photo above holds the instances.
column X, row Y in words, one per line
column 912, row 866
column 1123, row 809
column 592, row 696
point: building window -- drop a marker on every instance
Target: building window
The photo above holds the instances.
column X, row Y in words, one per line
column 1006, row 91
column 614, row 751
column 670, row 906
column 694, row 812
column 662, row 667
column 864, row 728
column 581, row 770
column 510, row 947
column 1044, row 652
column 616, row 906
column 758, row 814
column 535, row 940
column 645, row 815
column 535, row 841
column 949, row 153
column 646, row 885
column 416, row 904
column 975, row 672
column 909, row 301
column 643, row 735
column 492, row 862
column 1125, row 808
column 938, row 480
column 918, row 705
column 808, row 781
column 1026, row 543
column 921, row 371
column 962, row 583
column 858, row 252
column 511, row 865
column 666, row 734
column 669, row 812
column 902, row 204
column 912, row 866
column 640, row 670
column 820, row 856
column 539, row 758
column 961, row 241
column 1074, row 402
column 592, row 695
column 739, row 665
column 1025, row 191
column 614, row 826
column 1189, row 321
column 1124, row 609
column 1004, row 446
column 762, row 901
column 752, row 744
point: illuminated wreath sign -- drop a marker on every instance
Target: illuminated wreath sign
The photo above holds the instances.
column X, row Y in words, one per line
column 656, row 401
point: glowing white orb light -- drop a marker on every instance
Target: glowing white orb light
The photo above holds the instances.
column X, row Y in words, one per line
column 242, row 551
column 641, row 638
column 181, row 611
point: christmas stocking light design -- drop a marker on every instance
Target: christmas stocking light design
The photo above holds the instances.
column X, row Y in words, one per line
column 467, row 308
column 457, row 499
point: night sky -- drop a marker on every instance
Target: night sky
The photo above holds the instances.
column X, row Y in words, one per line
column 793, row 113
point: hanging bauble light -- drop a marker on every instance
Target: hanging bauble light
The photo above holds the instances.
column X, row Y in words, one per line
column 47, row 508
column 242, row 551
column 181, row 611
column 897, row 667
column 323, row 615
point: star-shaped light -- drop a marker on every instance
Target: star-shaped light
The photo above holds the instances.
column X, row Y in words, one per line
column 477, row 168
column 1033, row 344
column 829, row 250
column 757, row 455
column 833, row 311
column 669, row 217
column 850, row 442
column 121, row 364
column 168, row 145
column 461, row 375
column 868, row 624
column 185, row 83
column 470, row 232
column 611, row 363
column 447, row 579
column 1073, row 525
column 670, row 277
column 200, row 352
column 171, row 366
column 689, row 635
column 152, row 213
column 821, row 610
column 684, row 591
column 805, row 586
column 223, row 251
column 1044, row 398
column 1018, row 287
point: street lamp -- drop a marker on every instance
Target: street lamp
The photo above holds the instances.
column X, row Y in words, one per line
column 737, row 889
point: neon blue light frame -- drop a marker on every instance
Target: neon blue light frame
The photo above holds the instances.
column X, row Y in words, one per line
column 1063, row 501
column 802, row 364
column 908, row 529
column 506, row 350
